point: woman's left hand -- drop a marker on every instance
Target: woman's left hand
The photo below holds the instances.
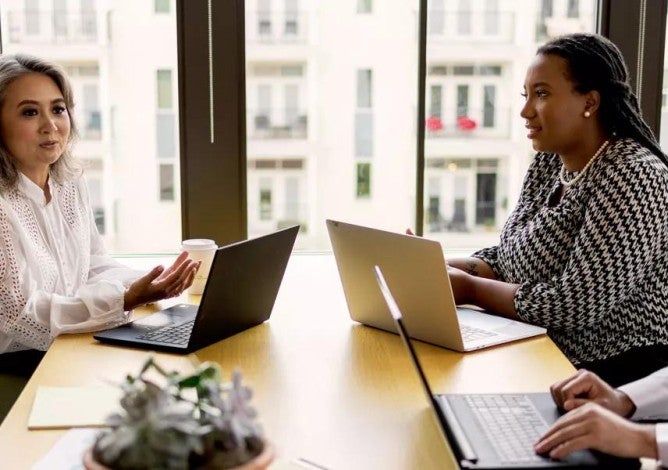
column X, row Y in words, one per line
column 161, row 283
column 463, row 286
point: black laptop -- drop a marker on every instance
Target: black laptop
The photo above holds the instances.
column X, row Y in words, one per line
column 496, row 431
column 240, row 293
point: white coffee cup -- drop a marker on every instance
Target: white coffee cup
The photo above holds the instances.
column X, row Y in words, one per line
column 200, row 249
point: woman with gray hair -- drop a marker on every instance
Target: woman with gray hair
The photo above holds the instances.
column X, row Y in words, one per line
column 55, row 276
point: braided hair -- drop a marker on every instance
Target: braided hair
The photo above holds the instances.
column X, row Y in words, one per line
column 595, row 63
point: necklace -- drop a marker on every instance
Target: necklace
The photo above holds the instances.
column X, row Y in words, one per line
column 562, row 172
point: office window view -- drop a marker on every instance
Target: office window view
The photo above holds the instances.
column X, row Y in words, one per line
column 331, row 115
column 125, row 107
column 355, row 137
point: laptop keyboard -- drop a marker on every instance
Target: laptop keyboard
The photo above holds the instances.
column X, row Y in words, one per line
column 178, row 335
column 511, row 423
column 471, row 333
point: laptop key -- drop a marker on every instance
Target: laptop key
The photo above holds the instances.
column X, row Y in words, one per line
column 177, row 334
column 471, row 333
column 511, row 423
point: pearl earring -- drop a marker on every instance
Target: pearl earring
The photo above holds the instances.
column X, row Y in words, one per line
column 587, row 114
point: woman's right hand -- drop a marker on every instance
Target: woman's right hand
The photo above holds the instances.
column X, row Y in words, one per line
column 161, row 283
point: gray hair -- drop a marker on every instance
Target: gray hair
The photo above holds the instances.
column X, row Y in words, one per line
column 15, row 66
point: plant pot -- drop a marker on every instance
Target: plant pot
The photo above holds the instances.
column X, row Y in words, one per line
column 260, row 462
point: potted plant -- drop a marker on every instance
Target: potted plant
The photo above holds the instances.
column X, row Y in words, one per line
column 161, row 426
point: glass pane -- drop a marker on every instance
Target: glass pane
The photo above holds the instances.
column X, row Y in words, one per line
column 476, row 152
column 354, row 135
column 331, row 124
column 128, row 139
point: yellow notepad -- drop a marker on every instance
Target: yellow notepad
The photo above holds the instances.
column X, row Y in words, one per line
column 70, row 407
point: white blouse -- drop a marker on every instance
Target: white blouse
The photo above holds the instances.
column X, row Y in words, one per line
column 55, row 276
column 650, row 396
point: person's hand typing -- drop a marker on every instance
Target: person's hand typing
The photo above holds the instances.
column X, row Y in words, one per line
column 593, row 427
column 161, row 283
column 585, row 386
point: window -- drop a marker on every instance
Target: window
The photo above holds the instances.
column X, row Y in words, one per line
column 266, row 208
column 166, row 128
column 164, row 78
column 436, row 17
column 327, row 103
column 131, row 158
column 363, row 180
column 573, row 9
column 364, row 88
column 462, row 101
column 91, row 110
column 464, row 17
column 165, row 122
column 60, row 18
column 489, row 105
column 491, row 17
column 364, row 115
column 291, row 18
column 161, row 6
column 167, row 192
column 88, row 18
column 291, row 200
column 264, row 18
column 364, row 6
column 32, row 17
column 436, row 100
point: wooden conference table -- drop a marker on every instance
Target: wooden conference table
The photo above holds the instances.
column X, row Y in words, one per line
column 327, row 390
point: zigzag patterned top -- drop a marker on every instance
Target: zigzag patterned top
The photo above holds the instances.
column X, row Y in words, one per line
column 593, row 269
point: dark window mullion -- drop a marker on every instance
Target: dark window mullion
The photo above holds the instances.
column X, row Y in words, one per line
column 619, row 21
column 213, row 174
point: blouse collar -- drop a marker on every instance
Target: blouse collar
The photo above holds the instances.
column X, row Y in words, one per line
column 33, row 191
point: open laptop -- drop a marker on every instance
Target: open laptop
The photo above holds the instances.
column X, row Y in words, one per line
column 416, row 268
column 495, row 431
column 240, row 293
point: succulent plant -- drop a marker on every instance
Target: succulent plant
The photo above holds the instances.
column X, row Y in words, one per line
column 161, row 427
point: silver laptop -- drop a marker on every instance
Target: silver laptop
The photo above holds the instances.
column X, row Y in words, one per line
column 496, row 431
column 416, row 271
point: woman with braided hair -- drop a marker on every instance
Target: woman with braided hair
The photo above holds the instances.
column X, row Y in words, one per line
column 585, row 252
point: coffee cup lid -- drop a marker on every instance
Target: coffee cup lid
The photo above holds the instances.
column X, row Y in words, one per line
column 198, row 244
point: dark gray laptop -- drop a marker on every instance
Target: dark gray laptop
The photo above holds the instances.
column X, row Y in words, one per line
column 240, row 293
column 496, row 431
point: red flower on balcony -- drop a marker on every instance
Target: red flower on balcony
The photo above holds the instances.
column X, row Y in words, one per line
column 434, row 123
column 465, row 123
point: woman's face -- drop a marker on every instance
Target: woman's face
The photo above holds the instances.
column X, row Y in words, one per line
column 34, row 123
column 554, row 111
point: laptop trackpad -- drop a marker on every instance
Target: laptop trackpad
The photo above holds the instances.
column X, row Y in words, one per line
column 170, row 316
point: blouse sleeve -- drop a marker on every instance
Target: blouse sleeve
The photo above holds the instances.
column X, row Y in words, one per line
column 649, row 395
column 33, row 316
column 625, row 226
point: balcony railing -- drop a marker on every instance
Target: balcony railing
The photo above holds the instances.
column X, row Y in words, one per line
column 476, row 123
column 470, row 26
column 276, row 27
column 49, row 26
column 277, row 124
